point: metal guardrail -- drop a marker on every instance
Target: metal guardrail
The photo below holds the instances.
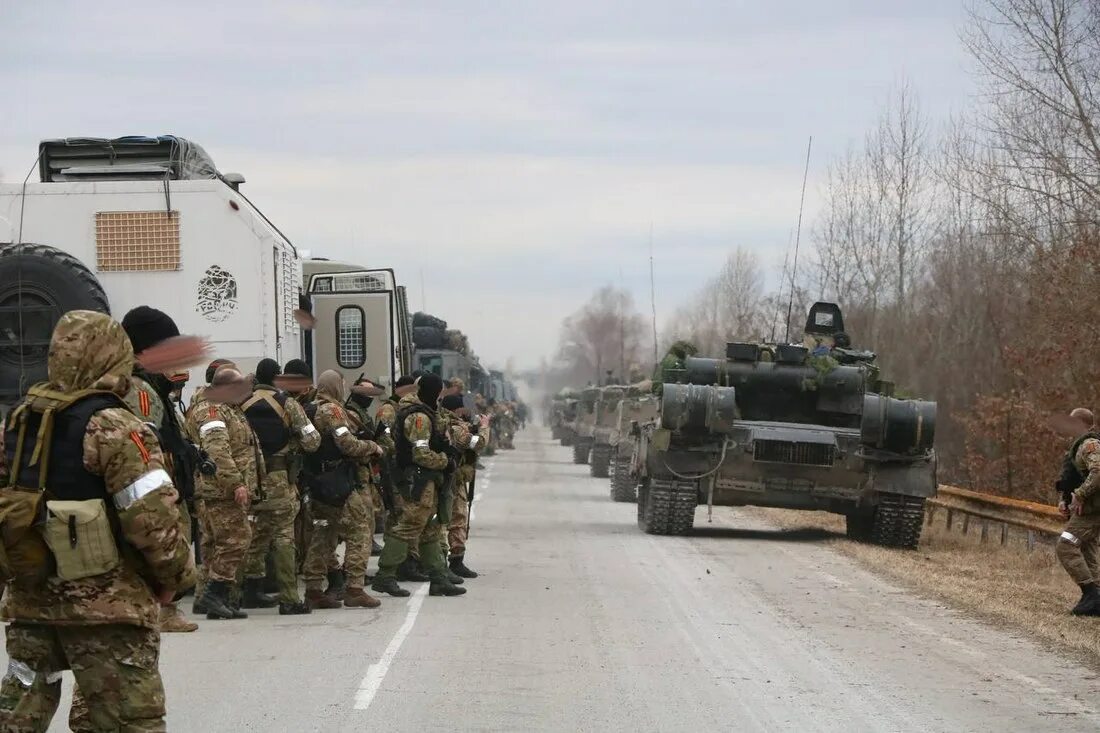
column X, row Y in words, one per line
column 1033, row 518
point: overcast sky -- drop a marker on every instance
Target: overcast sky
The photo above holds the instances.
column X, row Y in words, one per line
column 515, row 152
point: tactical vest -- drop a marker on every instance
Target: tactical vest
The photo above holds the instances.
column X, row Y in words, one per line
column 56, row 464
column 329, row 452
column 266, row 413
column 404, row 449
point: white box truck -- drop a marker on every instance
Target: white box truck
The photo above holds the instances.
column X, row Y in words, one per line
column 113, row 224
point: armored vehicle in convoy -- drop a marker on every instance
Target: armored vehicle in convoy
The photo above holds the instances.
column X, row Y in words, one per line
column 566, row 425
column 584, row 424
column 605, row 430
column 797, row 426
column 638, row 408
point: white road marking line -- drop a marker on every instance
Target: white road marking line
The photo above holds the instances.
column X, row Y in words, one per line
column 376, row 673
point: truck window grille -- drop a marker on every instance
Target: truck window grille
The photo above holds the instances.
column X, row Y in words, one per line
column 291, row 284
column 782, row 451
column 137, row 241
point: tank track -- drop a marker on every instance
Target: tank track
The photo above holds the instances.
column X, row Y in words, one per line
column 898, row 521
column 600, row 461
column 669, row 507
column 622, row 483
column 580, row 453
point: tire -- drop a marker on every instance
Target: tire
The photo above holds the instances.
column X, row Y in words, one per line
column 622, row 483
column 601, row 461
column 580, row 453
column 898, row 521
column 48, row 279
column 426, row 337
column 568, row 437
column 424, row 320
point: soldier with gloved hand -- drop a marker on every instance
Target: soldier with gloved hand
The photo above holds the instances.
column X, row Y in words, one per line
column 1078, row 547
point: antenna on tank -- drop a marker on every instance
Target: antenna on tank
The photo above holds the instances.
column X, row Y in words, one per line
column 653, row 295
column 798, row 237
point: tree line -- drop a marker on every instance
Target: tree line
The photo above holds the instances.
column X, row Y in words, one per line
column 964, row 251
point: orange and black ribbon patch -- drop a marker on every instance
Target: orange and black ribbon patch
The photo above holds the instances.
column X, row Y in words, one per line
column 135, row 436
column 143, row 403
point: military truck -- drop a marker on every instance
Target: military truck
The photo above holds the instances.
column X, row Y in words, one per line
column 638, row 408
column 584, row 424
column 605, row 430
column 567, row 426
column 796, row 426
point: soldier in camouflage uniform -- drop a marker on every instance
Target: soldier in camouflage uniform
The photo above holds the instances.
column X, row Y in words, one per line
column 222, row 499
column 422, row 479
column 282, row 428
column 146, row 327
column 363, row 392
column 1078, row 547
column 302, row 390
column 471, row 440
column 354, row 521
column 104, row 626
column 409, row 571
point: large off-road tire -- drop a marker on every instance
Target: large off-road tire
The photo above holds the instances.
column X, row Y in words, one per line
column 580, row 453
column 622, row 483
column 666, row 507
column 568, row 437
column 44, row 283
column 600, row 463
column 898, row 521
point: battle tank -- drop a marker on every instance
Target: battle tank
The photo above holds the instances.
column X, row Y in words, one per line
column 636, row 409
column 605, row 429
column 796, row 426
column 584, row 424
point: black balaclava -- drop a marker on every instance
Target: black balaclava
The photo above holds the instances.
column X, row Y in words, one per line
column 266, row 371
column 428, row 389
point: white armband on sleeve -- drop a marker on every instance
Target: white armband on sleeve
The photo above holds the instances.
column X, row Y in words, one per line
column 212, row 425
column 145, row 484
column 308, row 430
column 340, row 431
column 421, row 444
column 474, row 440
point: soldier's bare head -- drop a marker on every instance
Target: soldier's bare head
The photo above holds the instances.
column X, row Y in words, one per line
column 1085, row 417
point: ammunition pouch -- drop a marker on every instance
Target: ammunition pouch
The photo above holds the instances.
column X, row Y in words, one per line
column 276, row 463
column 415, row 478
column 24, row 556
column 333, row 484
column 80, row 536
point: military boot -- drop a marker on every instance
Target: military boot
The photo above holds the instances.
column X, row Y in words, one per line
column 389, row 586
column 253, row 596
column 337, row 584
column 410, row 572
column 442, row 586
column 172, row 620
column 453, row 576
column 375, row 548
column 317, row 598
column 215, row 601
column 295, row 608
column 235, row 593
column 359, row 598
column 459, row 568
column 1089, row 605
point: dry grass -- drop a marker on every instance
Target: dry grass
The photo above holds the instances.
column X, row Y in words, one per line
column 1007, row 585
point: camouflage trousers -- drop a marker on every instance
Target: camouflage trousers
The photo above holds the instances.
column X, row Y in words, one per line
column 225, row 537
column 273, row 530
column 1078, row 548
column 416, row 527
column 460, row 518
column 115, row 666
column 354, row 522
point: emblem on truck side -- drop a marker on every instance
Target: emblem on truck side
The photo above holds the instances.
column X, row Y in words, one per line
column 217, row 294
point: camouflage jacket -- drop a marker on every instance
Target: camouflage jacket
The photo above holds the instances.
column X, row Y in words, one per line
column 91, row 351
column 304, row 437
column 332, row 419
column 386, row 414
column 418, row 431
column 1087, row 462
column 144, row 402
column 223, row 432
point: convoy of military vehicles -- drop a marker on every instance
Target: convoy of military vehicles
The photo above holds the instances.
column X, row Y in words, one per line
column 797, row 426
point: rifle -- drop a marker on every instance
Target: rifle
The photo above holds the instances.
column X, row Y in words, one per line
column 470, row 501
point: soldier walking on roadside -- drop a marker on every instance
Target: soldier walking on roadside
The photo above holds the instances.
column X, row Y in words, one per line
column 1078, row 547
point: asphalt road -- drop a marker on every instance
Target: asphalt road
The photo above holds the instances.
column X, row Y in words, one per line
column 581, row 622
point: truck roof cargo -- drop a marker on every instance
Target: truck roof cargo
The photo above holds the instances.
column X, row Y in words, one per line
column 134, row 157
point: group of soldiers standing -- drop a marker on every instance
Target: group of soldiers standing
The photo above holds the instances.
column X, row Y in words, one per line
column 101, row 471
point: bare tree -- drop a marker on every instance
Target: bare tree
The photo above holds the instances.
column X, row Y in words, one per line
column 605, row 334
